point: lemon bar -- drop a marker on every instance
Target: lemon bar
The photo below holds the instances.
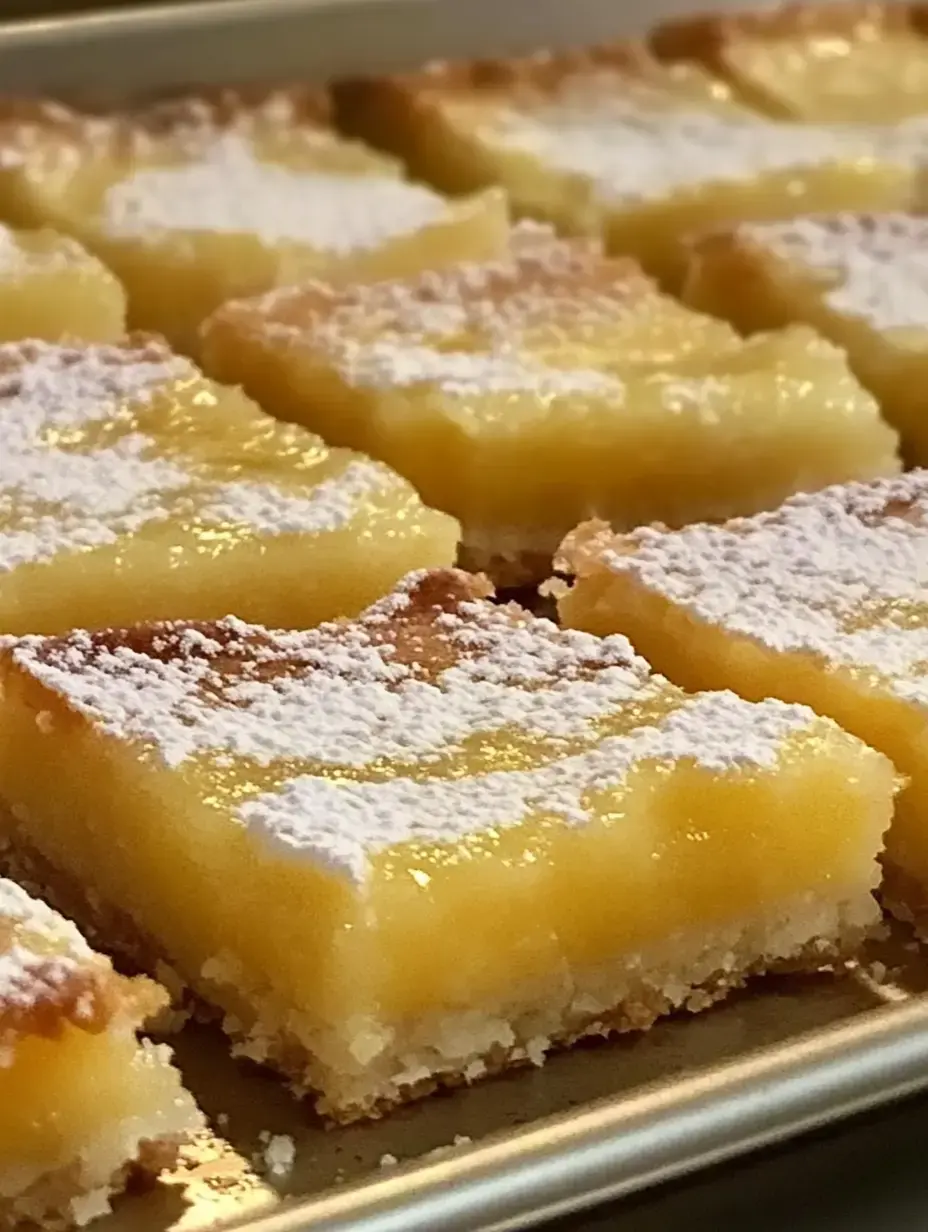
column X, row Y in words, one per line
column 820, row 602
column 860, row 279
column 133, row 488
column 193, row 201
column 52, row 288
column 846, row 61
column 83, row 1102
column 522, row 395
column 611, row 142
column 357, row 790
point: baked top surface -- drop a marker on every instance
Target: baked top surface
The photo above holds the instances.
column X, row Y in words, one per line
column 871, row 266
column 839, row 574
column 637, row 131
column 545, row 319
column 226, row 165
column 98, row 442
column 435, row 716
column 542, row 281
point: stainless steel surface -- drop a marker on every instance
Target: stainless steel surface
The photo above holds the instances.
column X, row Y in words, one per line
column 209, row 41
column 596, row 1122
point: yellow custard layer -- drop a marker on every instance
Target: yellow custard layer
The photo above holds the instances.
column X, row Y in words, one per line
column 819, row 602
column 52, row 288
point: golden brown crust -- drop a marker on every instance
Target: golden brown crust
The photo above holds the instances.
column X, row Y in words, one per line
column 28, row 122
column 579, row 553
column 541, row 71
column 705, row 37
column 529, row 76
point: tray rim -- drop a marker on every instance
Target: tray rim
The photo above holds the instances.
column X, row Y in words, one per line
column 617, row 1145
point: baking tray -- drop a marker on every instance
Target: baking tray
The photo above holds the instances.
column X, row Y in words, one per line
column 598, row 1122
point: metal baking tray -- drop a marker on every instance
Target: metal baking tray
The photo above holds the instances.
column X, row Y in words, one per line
column 598, row 1122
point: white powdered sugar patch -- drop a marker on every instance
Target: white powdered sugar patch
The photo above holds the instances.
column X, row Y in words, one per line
column 420, row 676
column 44, row 952
column 61, row 493
column 878, row 263
column 342, row 824
column 349, row 701
column 386, row 364
column 54, row 497
column 841, row 573
column 542, row 281
column 230, row 191
column 269, row 509
column 632, row 151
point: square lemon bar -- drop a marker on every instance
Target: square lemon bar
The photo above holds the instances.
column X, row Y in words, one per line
column 83, row 1101
column 524, row 394
column 198, row 199
column 133, row 488
column 860, row 279
column 820, row 602
column 355, row 791
column 845, row 61
column 608, row 141
column 52, row 288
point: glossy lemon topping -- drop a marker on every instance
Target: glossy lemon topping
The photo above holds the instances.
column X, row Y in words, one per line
column 106, row 442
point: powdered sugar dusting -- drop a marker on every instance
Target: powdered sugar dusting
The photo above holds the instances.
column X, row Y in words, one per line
column 229, row 190
column 56, row 495
column 385, row 364
column 364, row 721
column 632, row 149
column 468, row 329
column 329, row 506
column 343, row 824
column 82, row 462
column 543, row 281
column 876, row 264
column 841, row 573
column 39, row 949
